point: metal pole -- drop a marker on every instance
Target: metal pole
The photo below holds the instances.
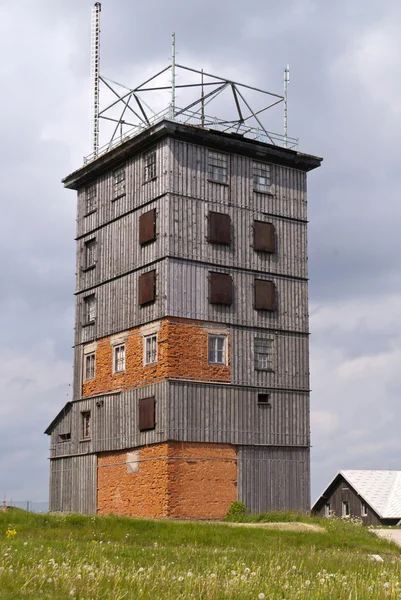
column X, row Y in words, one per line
column 203, row 103
column 286, row 82
column 95, row 75
column 172, row 106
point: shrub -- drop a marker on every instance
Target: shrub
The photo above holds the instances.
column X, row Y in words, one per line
column 237, row 511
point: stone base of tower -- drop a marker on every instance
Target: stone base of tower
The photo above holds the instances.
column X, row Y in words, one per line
column 170, row 480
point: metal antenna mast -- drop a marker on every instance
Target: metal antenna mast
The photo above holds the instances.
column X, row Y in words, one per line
column 95, row 75
column 286, row 82
column 172, row 106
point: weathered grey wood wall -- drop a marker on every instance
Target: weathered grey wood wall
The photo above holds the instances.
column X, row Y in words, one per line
column 73, row 484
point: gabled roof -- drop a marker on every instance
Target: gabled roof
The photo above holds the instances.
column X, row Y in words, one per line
column 381, row 490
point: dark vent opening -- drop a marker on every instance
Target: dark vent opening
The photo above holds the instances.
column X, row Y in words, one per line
column 264, row 399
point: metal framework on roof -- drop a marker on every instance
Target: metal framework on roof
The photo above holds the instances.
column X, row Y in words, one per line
column 131, row 110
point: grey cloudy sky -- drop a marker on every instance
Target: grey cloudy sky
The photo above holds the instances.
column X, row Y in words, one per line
column 344, row 105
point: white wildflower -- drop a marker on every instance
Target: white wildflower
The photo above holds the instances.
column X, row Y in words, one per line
column 180, row 578
column 261, row 596
column 246, row 570
column 189, row 574
column 307, row 582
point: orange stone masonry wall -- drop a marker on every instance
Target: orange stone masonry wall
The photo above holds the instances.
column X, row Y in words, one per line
column 174, row 479
column 182, row 353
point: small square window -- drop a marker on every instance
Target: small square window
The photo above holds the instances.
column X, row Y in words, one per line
column 217, row 167
column 119, row 183
column 364, row 509
column 86, row 424
column 264, row 399
column 90, row 199
column 64, row 437
column 150, row 349
column 89, row 309
column 90, row 253
column 327, row 510
column 261, row 177
column 119, row 358
column 150, row 166
column 90, row 362
column 217, row 349
column 263, row 354
column 345, row 508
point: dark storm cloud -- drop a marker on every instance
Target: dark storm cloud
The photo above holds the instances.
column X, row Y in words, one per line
column 343, row 104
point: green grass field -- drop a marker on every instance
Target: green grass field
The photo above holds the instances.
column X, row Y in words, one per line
column 49, row 556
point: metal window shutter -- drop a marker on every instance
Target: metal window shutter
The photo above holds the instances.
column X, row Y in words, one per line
column 146, row 413
column 219, row 228
column 265, row 295
column 221, row 289
column 264, row 238
column 147, row 287
column 147, row 227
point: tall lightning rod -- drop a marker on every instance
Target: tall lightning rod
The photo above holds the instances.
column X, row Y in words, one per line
column 286, row 82
column 95, row 75
column 172, row 105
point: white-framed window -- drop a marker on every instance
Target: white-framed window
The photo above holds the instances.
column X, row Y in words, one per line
column 217, row 167
column 364, row 509
column 217, row 350
column 263, row 350
column 86, row 424
column 90, row 198
column 118, row 183
column 89, row 366
column 150, row 166
column 119, row 358
column 150, row 349
column 261, row 177
column 327, row 509
column 345, row 508
column 90, row 253
column 89, row 309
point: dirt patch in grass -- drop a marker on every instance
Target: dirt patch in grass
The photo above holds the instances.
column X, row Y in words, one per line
column 304, row 527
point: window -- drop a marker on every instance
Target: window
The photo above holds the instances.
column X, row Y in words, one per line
column 327, row 510
column 263, row 354
column 64, row 437
column 146, row 413
column 147, row 227
column 147, row 287
column 364, row 509
column 265, row 295
column 150, row 166
column 90, row 199
column 217, row 349
column 220, row 289
column 119, row 358
column 86, row 424
column 219, row 228
column 89, row 309
column 264, row 399
column 150, row 349
column 345, row 508
column 261, row 177
column 264, row 238
column 90, row 254
column 90, row 361
column 118, row 183
column 218, row 167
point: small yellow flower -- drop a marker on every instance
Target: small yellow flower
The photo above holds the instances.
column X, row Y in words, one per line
column 10, row 533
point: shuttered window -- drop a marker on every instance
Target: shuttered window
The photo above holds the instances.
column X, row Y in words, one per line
column 265, row 295
column 264, row 238
column 220, row 289
column 219, row 228
column 150, row 166
column 146, row 413
column 90, row 199
column 217, row 167
column 90, row 253
column 147, row 288
column 90, row 361
column 261, row 177
column 89, row 309
column 147, row 227
column 118, row 183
